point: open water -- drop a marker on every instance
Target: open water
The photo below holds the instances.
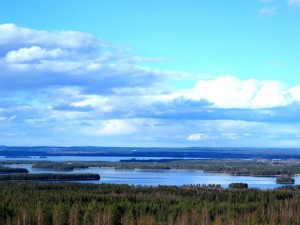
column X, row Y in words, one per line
column 166, row 177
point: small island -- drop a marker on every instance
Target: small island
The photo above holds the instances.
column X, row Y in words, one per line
column 59, row 166
column 238, row 185
column 285, row 180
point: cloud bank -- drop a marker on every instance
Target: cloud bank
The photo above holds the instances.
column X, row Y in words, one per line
column 70, row 88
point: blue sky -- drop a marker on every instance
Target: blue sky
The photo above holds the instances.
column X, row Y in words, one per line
column 150, row 73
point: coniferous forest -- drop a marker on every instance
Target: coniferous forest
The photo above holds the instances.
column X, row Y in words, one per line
column 88, row 204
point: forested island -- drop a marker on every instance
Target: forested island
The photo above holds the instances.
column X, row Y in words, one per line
column 238, row 185
column 285, row 180
column 60, row 166
column 87, row 204
column 7, row 170
column 50, row 177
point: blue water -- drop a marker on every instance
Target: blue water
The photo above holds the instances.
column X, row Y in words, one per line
column 166, row 177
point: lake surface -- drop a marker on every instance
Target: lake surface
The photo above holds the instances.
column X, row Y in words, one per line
column 165, row 177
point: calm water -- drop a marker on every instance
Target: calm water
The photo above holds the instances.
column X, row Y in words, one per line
column 166, row 177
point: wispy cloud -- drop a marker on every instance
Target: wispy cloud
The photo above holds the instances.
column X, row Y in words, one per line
column 278, row 63
column 197, row 137
column 294, row 3
column 267, row 11
column 271, row 7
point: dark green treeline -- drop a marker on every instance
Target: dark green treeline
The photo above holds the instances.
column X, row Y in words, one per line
column 87, row 204
column 50, row 177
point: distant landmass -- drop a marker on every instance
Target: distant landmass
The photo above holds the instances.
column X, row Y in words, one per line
column 203, row 152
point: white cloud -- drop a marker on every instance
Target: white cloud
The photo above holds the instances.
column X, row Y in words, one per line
column 4, row 118
column 197, row 137
column 95, row 101
column 225, row 91
column 12, row 36
column 32, row 53
column 295, row 93
column 231, row 92
column 271, row 94
column 232, row 136
column 112, row 128
column 36, row 59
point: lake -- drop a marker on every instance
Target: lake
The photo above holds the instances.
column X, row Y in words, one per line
column 165, row 177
